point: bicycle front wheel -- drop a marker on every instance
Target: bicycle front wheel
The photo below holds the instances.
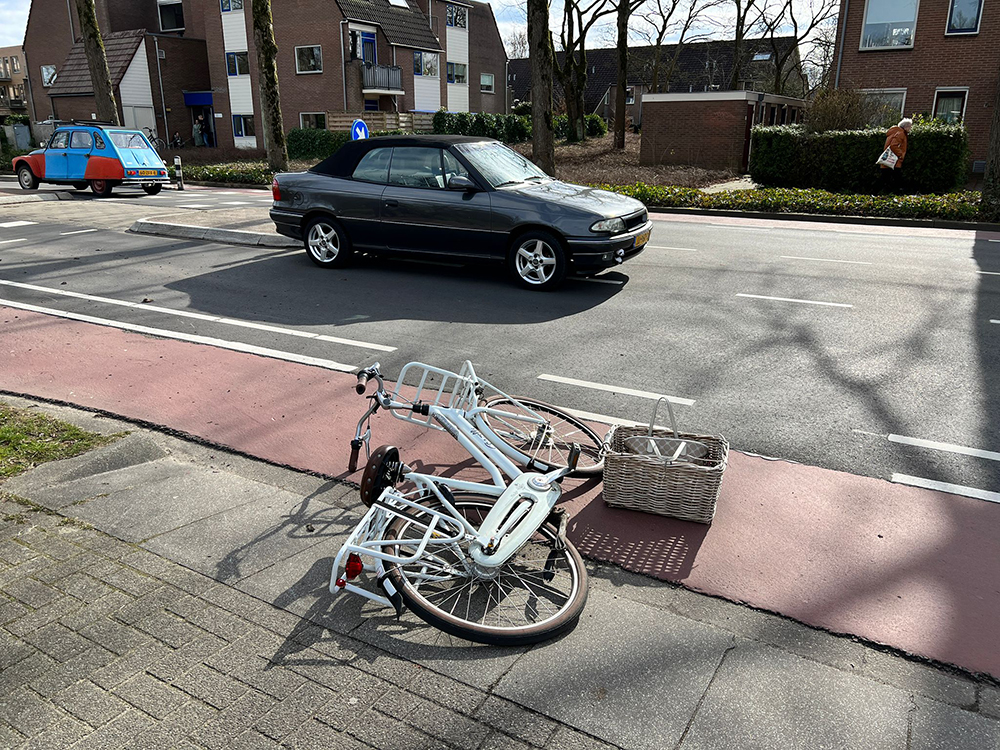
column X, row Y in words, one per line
column 536, row 595
column 548, row 444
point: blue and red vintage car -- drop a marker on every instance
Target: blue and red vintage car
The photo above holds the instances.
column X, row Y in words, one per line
column 101, row 156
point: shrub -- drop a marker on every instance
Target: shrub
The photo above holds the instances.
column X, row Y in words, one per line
column 521, row 108
column 844, row 161
column 483, row 125
column 314, row 143
column 847, row 109
column 242, row 173
column 7, row 154
column 506, row 128
column 560, row 125
column 441, row 121
column 18, row 119
column 596, row 126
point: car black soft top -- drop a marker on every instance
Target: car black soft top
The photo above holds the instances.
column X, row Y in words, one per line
column 343, row 161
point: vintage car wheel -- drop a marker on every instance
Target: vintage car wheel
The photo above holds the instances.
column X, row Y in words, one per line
column 26, row 178
column 326, row 244
column 537, row 261
column 152, row 189
column 101, row 188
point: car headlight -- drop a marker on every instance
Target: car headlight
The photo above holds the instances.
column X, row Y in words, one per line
column 608, row 225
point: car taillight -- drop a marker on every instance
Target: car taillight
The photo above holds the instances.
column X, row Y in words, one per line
column 131, row 171
column 275, row 190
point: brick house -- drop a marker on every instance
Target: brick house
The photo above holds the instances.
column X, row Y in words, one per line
column 346, row 56
column 940, row 59
column 13, row 100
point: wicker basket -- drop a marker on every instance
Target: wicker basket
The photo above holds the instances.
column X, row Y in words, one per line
column 650, row 484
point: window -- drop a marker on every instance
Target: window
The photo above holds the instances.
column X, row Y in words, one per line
column 416, row 167
column 425, row 64
column 228, row 5
column 129, row 140
column 238, row 63
column 171, row 15
column 889, row 24
column 963, row 18
column 243, row 126
column 309, row 59
column 630, row 94
column 453, row 167
column 457, row 73
column 890, row 105
column 399, row 3
column 314, row 120
column 457, row 17
column 15, row 64
column 498, row 164
column 98, row 141
column 486, row 83
column 374, row 166
column 371, row 105
column 950, row 105
column 48, row 75
column 81, row 139
column 60, row 139
column 762, row 57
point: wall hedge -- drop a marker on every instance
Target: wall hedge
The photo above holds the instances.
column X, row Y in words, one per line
column 844, row 161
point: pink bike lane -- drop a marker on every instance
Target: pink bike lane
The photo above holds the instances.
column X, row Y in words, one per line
column 906, row 567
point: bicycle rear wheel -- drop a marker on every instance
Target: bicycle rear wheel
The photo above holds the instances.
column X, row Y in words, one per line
column 536, row 595
column 550, row 445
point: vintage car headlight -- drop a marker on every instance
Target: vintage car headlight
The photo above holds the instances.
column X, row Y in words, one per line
column 608, row 225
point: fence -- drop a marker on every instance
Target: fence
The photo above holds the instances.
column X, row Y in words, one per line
column 411, row 121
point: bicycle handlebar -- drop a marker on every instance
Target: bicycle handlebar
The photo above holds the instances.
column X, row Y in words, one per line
column 362, row 385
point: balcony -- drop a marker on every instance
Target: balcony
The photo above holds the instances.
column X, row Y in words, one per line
column 381, row 79
column 4, row 76
column 17, row 104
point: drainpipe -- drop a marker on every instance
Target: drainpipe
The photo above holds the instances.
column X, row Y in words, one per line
column 843, row 36
column 343, row 62
column 69, row 13
column 506, row 87
column 163, row 102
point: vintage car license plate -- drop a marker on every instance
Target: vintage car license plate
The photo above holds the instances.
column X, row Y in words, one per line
column 147, row 173
column 643, row 238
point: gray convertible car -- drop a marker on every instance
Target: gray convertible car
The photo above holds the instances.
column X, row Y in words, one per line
column 456, row 197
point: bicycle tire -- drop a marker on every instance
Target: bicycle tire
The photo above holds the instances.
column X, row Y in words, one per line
column 475, row 507
column 551, row 453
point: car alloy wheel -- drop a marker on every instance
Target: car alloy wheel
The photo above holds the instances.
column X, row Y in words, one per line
column 535, row 262
column 324, row 242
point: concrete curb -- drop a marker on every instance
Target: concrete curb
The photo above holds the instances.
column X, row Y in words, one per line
column 211, row 234
column 882, row 221
column 10, row 200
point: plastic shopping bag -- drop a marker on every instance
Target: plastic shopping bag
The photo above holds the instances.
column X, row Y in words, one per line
column 887, row 159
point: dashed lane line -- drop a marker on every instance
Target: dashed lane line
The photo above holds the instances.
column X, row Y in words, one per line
column 949, row 447
column 193, row 205
column 201, row 316
column 799, row 301
column 615, row 389
column 668, row 247
column 827, row 260
column 954, row 489
column 192, row 338
column 12, row 224
column 78, row 231
column 19, row 239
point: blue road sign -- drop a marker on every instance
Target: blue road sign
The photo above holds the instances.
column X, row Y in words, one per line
column 359, row 130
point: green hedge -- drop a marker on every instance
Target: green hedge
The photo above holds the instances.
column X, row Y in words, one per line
column 937, row 156
column 313, row 143
column 506, row 128
column 951, row 206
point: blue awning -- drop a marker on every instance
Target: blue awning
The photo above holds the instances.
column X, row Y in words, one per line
column 197, row 98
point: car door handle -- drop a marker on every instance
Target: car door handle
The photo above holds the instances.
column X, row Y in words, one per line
column 391, row 202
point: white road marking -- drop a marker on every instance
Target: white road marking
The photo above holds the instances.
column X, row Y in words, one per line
column 800, row 301
column 667, row 247
column 950, row 447
column 827, row 260
column 201, row 316
column 78, row 231
column 12, row 224
column 593, row 280
column 993, row 240
column 235, row 346
column 995, row 321
column 19, row 239
column 989, row 273
column 954, row 489
column 235, row 203
column 616, row 389
column 738, row 226
column 192, row 205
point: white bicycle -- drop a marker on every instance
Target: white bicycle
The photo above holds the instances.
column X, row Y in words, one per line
column 488, row 562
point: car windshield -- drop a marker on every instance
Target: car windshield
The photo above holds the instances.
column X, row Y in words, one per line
column 128, row 140
column 500, row 165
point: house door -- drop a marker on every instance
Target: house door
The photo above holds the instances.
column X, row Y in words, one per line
column 369, row 52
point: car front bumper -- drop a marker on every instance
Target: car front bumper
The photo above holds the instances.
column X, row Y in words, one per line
column 287, row 223
column 596, row 253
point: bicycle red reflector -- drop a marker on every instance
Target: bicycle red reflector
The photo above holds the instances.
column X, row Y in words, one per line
column 275, row 190
column 354, row 566
column 341, row 583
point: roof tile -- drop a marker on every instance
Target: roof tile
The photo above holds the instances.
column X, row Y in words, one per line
column 73, row 76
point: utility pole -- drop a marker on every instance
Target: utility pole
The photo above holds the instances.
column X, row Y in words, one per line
column 267, row 70
column 97, row 61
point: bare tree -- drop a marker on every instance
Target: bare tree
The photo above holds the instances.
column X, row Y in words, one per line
column 817, row 62
column 746, row 19
column 624, row 13
column 788, row 24
column 270, row 103
column 516, row 43
column 989, row 209
column 97, row 61
column 542, row 62
column 662, row 19
column 579, row 17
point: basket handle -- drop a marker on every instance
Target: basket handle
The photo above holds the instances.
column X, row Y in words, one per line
column 670, row 411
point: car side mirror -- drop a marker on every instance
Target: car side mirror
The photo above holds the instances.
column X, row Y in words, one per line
column 460, row 182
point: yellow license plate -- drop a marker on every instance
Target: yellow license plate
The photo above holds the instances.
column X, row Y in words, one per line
column 643, row 238
column 147, row 173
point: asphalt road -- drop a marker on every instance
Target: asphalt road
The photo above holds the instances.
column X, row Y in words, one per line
column 874, row 331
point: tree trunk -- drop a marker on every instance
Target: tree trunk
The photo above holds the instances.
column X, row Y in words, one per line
column 270, row 103
column 97, row 61
column 989, row 210
column 623, row 11
column 574, row 111
column 543, row 151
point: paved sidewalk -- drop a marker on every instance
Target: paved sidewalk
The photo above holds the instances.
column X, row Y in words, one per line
column 157, row 593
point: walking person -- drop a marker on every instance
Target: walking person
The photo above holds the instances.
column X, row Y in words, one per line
column 198, row 131
column 896, row 142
